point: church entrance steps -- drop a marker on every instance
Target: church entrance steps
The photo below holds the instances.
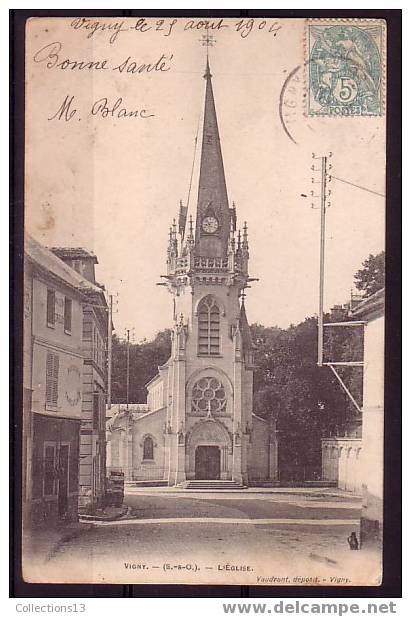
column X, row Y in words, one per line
column 292, row 484
column 144, row 483
column 212, row 485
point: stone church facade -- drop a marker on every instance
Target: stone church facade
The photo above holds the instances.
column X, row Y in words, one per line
column 199, row 423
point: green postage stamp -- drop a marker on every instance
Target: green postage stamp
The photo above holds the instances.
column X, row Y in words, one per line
column 345, row 68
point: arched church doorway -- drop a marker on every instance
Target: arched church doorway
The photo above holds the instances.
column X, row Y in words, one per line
column 207, row 463
column 209, row 452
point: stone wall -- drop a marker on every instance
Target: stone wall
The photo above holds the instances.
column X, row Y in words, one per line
column 341, row 462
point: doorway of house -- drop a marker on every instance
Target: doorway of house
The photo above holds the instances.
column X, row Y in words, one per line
column 63, row 479
column 207, row 463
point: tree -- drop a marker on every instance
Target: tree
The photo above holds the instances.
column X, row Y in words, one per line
column 145, row 358
column 305, row 402
column 371, row 277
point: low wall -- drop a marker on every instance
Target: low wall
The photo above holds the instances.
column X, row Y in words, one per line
column 341, row 463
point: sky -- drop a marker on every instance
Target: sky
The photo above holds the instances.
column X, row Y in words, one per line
column 113, row 185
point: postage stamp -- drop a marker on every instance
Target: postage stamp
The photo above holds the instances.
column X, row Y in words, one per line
column 345, row 68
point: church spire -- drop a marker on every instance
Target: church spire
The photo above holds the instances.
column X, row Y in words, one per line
column 212, row 203
column 213, row 245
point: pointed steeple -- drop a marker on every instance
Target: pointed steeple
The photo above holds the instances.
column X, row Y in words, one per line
column 212, row 199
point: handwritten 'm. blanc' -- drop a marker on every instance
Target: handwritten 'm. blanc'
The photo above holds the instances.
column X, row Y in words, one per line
column 52, row 57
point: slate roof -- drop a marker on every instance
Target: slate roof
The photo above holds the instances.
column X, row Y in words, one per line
column 44, row 258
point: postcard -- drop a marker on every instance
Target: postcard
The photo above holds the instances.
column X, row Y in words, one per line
column 204, row 300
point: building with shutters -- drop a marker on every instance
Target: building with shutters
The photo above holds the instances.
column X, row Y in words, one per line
column 92, row 471
column 200, row 425
column 53, row 368
column 62, row 397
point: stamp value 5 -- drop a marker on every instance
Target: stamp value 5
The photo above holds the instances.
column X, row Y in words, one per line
column 345, row 69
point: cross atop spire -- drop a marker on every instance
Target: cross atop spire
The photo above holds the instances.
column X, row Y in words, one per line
column 207, row 40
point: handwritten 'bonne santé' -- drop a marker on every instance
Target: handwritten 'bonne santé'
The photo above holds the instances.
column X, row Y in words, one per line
column 51, row 55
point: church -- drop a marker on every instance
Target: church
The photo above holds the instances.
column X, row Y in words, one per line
column 198, row 423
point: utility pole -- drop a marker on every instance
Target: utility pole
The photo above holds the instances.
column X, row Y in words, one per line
column 322, row 260
column 323, row 196
column 128, row 449
column 324, row 204
column 109, row 350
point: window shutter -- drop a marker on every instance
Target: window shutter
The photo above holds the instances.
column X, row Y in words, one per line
column 52, row 376
column 49, row 373
column 56, row 378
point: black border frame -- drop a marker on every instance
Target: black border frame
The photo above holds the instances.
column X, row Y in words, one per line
column 391, row 585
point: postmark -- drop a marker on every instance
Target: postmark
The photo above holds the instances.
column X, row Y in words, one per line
column 345, row 68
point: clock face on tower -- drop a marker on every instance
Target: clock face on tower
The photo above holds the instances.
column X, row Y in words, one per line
column 210, row 224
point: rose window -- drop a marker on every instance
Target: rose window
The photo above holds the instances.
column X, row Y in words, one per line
column 208, row 396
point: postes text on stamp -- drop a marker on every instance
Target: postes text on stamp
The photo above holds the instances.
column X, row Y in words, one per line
column 345, row 69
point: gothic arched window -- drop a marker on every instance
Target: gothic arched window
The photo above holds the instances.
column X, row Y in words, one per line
column 208, row 327
column 208, row 396
column 148, row 449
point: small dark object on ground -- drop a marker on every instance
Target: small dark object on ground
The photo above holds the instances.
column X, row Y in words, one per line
column 352, row 541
